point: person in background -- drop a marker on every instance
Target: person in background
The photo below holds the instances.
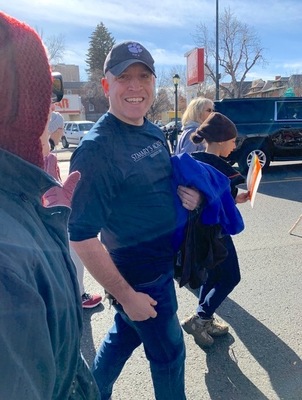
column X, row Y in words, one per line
column 196, row 112
column 166, row 133
column 88, row 300
column 55, row 129
column 173, row 137
column 169, row 138
column 40, row 307
column 126, row 194
column 219, row 134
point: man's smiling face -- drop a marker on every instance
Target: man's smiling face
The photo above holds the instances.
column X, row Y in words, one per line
column 130, row 94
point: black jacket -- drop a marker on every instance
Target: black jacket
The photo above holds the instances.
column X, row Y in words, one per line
column 203, row 247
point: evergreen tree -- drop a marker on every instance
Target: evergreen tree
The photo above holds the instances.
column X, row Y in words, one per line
column 100, row 43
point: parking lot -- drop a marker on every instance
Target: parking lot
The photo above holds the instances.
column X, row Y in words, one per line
column 260, row 359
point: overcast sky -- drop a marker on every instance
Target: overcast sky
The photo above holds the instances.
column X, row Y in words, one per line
column 166, row 27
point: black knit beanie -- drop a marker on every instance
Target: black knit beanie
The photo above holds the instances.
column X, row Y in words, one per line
column 216, row 128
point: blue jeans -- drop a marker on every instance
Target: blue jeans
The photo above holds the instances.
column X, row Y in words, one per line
column 220, row 282
column 161, row 337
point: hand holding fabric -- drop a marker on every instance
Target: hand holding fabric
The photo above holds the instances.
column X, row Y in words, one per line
column 191, row 198
column 59, row 196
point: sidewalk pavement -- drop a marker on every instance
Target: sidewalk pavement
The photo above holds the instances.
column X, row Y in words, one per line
column 64, row 154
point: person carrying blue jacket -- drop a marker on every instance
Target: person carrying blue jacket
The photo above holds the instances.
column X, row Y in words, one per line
column 219, row 134
column 125, row 194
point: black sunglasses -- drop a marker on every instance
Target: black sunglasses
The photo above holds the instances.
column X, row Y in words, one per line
column 57, row 87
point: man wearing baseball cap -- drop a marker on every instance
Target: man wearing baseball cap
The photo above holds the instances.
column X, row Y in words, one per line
column 125, row 54
column 125, row 194
column 40, row 307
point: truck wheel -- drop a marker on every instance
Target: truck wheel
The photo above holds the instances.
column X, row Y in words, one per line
column 65, row 144
column 247, row 155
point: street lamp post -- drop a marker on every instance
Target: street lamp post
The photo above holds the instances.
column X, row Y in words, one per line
column 176, row 80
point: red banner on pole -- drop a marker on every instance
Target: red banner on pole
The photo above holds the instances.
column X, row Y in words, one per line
column 195, row 66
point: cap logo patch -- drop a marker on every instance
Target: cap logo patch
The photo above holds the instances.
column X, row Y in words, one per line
column 135, row 49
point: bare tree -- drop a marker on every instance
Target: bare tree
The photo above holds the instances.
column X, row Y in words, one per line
column 164, row 99
column 55, row 45
column 239, row 51
column 56, row 48
column 167, row 80
column 161, row 104
column 93, row 93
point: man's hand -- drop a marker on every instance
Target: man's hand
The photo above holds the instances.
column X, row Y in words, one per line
column 96, row 258
column 59, row 196
column 140, row 307
column 190, row 198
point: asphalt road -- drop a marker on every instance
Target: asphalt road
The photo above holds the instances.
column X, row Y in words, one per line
column 260, row 358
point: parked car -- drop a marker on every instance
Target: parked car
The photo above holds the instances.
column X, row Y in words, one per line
column 269, row 127
column 74, row 132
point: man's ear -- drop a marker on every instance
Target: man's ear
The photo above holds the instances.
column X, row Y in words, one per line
column 105, row 86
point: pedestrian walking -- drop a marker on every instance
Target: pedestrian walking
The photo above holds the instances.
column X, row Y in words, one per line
column 173, row 135
column 125, row 194
column 219, row 134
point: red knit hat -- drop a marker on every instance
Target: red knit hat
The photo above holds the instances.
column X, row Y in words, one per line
column 25, row 86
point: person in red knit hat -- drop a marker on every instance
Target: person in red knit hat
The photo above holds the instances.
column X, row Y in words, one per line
column 40, row 308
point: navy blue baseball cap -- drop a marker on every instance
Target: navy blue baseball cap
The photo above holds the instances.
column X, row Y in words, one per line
column 124, row 54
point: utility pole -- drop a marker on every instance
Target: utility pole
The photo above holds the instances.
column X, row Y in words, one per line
column 217, row 50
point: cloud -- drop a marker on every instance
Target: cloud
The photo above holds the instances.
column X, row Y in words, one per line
column 128, row 16
column 165, row 27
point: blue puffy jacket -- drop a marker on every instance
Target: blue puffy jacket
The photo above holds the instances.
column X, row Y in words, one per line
column 219, row 207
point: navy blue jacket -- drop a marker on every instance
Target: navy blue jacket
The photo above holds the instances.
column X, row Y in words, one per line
column 40, row 307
